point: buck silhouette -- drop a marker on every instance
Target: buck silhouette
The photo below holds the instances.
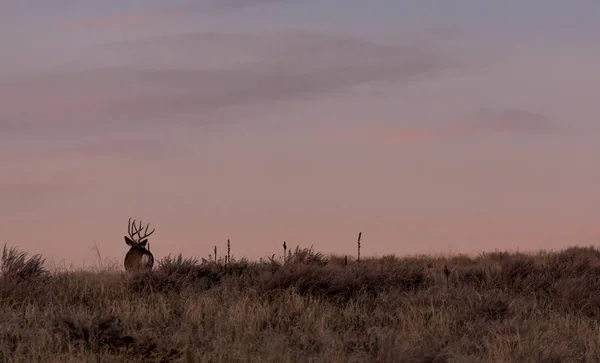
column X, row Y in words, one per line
column 138, row 257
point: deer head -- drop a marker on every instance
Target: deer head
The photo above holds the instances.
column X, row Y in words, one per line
column 138, row 257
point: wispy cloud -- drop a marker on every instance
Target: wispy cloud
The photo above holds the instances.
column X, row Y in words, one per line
column 127, row 146
column 509, row 120
column 478, row 122
column 129, row 20
column 24, row 188
column 267, row 68
column 33, row 189
column 154, row 14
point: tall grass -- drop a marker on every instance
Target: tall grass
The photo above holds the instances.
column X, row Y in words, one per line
column 496, row 307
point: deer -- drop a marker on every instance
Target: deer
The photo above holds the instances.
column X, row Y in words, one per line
column 138, row 257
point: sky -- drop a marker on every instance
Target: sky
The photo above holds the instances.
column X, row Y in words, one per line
column 429, row 126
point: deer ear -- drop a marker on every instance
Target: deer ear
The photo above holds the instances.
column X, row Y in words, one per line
column 143, row 243
column 129, row 241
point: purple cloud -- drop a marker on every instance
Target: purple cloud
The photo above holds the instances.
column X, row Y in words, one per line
column 511, row 120
column 268, row 68
column 151, row 15
column 479, row 122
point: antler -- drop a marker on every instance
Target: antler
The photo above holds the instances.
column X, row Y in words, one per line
column 134, row 230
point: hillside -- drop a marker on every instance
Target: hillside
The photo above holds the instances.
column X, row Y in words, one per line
column 496, row 307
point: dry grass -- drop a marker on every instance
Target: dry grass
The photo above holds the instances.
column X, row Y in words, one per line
column 500, row 307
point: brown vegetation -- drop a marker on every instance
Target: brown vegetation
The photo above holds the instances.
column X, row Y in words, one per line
column 496, row 307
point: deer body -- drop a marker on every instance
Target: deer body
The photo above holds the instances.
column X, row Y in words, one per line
column 138, row 257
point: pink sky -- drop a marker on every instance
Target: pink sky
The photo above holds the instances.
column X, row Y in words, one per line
column 220, row 122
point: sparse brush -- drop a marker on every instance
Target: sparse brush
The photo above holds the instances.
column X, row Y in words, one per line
column 16, row 267
column 177, row 264
column 308, row 256
column 271, row 260
column 315, row 308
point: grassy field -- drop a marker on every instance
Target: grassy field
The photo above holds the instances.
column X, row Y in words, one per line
column 496, row 307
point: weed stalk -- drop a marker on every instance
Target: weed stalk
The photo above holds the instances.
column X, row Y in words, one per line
column 358, row 256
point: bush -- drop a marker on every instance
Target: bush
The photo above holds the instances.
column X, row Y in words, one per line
column 17, row 268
